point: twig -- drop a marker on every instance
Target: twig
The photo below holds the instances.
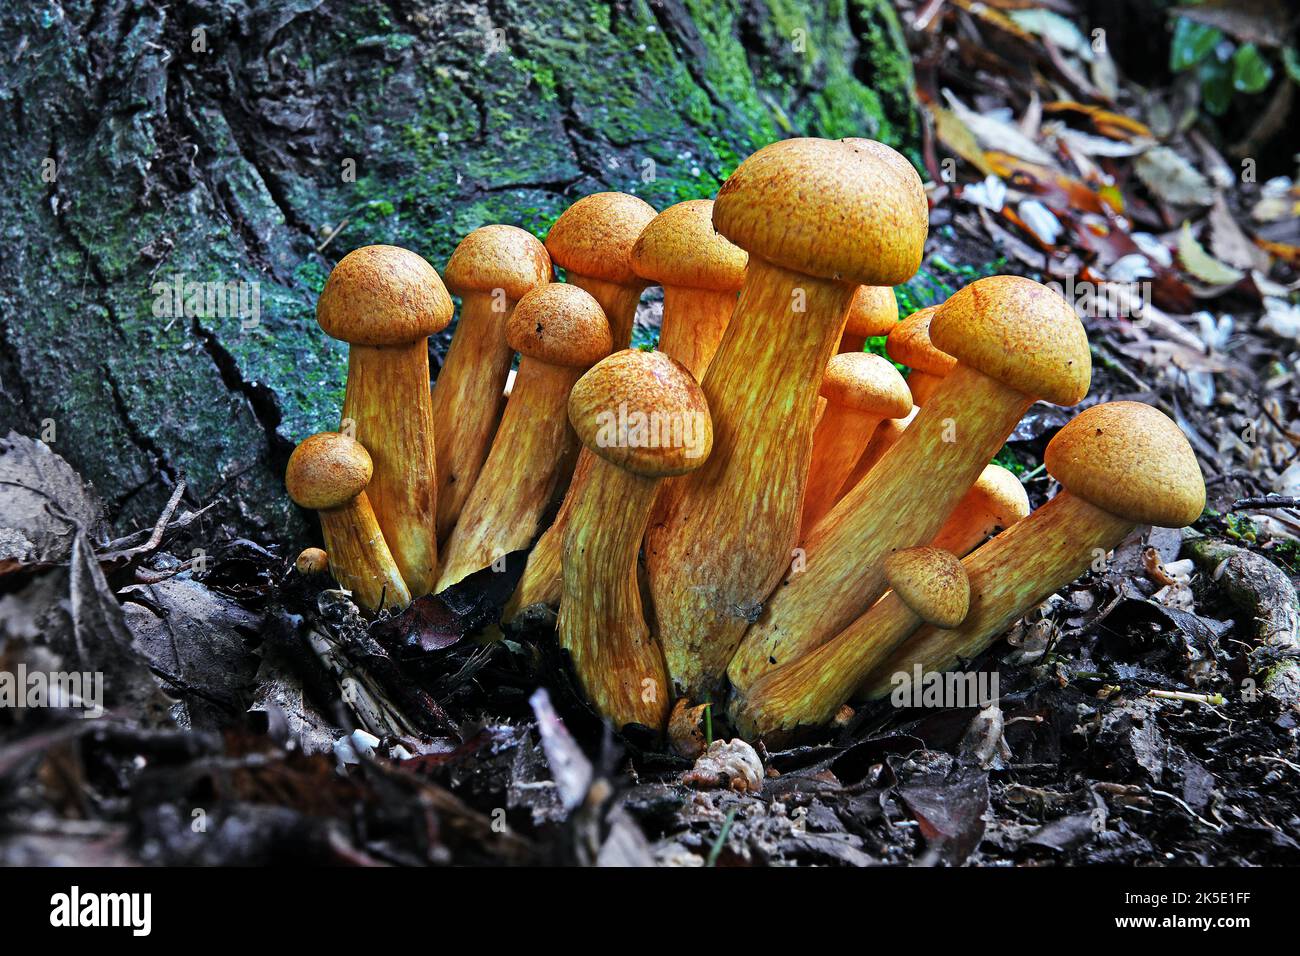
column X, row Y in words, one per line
column 1210, row 700
column 1182, row 803
column 1266, row 501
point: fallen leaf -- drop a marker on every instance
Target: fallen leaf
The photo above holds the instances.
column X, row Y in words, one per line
column 1201, row 264
column 1172, row 178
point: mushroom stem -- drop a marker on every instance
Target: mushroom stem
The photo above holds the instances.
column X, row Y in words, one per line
column 360, row 559
column 902, row 502
column 693, row 325
column 922, row 385
column 534, row 449
column 540, row 583
column 809, row 691
column 619, row 301
column 388, row 398
column 1008, row 575
column 468, row 397
column 840, row 439
column 601, row 621
column 722, row 537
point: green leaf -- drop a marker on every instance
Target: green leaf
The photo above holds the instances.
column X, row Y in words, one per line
column 1292, row 60
column 1192, row 41
column 1250, row 71
column 1216, row 86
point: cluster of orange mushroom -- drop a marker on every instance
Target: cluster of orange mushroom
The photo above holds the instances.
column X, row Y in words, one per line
column 759, row 513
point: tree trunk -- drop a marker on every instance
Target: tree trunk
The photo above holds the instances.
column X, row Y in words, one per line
column 150, row 146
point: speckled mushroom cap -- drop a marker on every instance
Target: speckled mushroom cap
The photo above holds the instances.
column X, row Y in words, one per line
column 383, row 295
column 1019, row 332
column 594, row 236
column 850, row 210
column 327, row 470
column 909, row 344
column 498, row 257
column 873, row 311
column 560, row 324
column 932, row 582
column 681, row 248
column 643, row 412
column 1131, row 460
column 867, row 383
column 998, row 496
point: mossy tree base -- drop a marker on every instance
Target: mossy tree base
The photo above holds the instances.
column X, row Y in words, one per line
column 224, row 142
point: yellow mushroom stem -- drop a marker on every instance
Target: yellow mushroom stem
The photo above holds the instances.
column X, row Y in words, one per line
column 388, row 399
column 722, row 537
column 472, row 378
column 1009, row 575
column 902, row 502
column 809, row 691
column 694, row 322
column 359, row 557
column 533, row 452
column 601, row 621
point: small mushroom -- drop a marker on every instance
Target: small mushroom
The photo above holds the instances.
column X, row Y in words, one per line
column 1015, row 341
column 560, row 332
column 861, row 391
column 328, row 473
column 385, row 302
column 929, row 586
column 994, row 503
column 644, row 419
column 909, row 344
column 1122, row 464
column 873, row 312
column 700, row 272
column 492, row 269
column 311, row 562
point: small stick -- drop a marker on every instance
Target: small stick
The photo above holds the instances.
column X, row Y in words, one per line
column 1266, row 501
column 1210, row 700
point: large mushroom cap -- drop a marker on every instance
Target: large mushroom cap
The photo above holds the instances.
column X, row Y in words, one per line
column 498, row 257
column 852, row 210
column 873, row 311
column 327, row 470
column 681, row 248
column 867, row 383
column 909, row 344
column 932, row 582
column 1019, row 332
column 560, row 324
column 594, row 236
column 383, row 295
column 643, row 412
column 1131, row 460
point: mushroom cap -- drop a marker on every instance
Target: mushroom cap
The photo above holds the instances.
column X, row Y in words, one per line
column 873, row 311
column 868, row 383
column 997, row 494
column 594, row 236
column 560, row 324
column 1019, row 332
column 498, row 257
column 681, row 248
column 851, row 210
column 383, row 295
column 932, row 583
column 327, row 470
column 643, row 412
column 909, row 344
column 1129, row 459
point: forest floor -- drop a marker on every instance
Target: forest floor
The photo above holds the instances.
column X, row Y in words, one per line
column 255, row 717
